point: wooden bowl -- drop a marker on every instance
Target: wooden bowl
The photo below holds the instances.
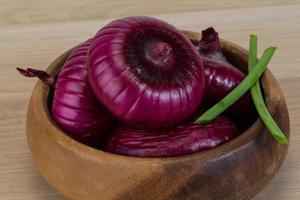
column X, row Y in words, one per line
column 237, row 169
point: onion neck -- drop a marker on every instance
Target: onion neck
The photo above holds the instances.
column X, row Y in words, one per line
column 42, row 75
column 159, row 54
column 210, row 42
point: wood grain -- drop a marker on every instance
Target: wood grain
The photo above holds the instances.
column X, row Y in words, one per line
column 95, row 9
column 33, row 34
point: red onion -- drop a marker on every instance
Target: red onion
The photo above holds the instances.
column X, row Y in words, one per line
column 75, row 108
column 146, row 72
column 172, row 141
column 220, row 76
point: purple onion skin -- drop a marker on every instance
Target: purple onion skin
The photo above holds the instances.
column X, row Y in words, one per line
column 146, row 72
column 175, row 141
column 220, row 76
column 74, row 106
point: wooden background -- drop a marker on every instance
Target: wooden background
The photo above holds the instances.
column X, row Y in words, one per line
column 33, row 33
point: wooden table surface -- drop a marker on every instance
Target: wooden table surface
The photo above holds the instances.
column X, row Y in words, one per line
column 33, row 33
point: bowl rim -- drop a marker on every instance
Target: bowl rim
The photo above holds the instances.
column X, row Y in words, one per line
column 271, row 98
